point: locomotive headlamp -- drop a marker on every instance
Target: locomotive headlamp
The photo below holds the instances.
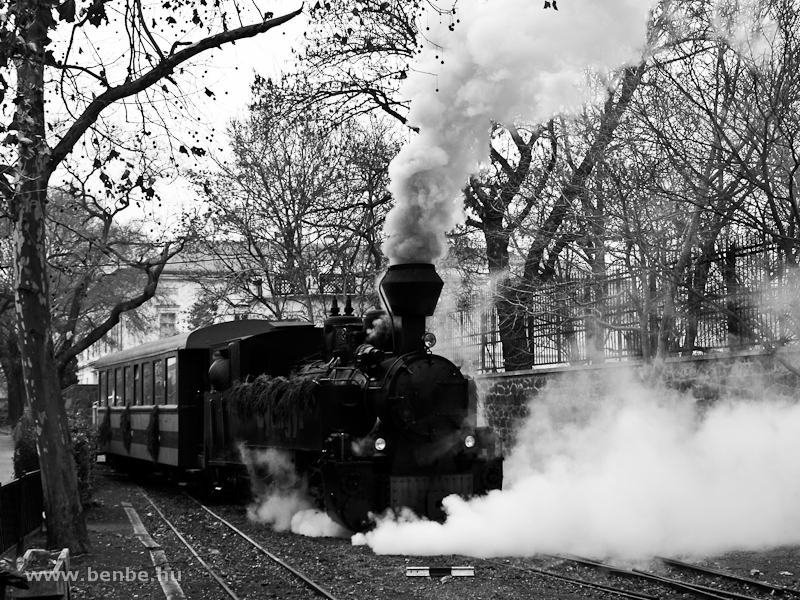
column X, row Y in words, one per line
column 380, row 444
column 429, row 340
column 469, row 441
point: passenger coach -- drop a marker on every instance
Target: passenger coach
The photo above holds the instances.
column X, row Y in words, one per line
column 164, row 381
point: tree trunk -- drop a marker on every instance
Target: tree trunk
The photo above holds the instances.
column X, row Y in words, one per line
column 12, row 369
column 511, row 316
column 66, row 527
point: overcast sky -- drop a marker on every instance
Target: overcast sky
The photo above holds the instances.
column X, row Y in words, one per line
column 229, row 72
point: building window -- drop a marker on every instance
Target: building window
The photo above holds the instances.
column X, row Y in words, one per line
column 282, row 285
column 167, row 324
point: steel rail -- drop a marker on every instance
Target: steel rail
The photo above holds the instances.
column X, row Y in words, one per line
column 580, row 582
column 211, row 572
column 701, row 591
column 297, row 573
column 762, row 585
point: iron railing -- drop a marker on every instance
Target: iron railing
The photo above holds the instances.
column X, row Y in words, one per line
column 750, row 298
column 21, row 505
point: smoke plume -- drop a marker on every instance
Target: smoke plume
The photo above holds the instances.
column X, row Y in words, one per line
column 632, row 475
column 498, row 60
column 281, row 496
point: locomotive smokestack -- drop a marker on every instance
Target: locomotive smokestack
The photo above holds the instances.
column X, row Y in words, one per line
column 411, row 291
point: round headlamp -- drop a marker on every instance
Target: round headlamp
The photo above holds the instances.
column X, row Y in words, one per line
column 429, row 340
column 469, row 441
column 380, row 444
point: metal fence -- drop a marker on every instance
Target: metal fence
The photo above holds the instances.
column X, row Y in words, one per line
column 749, row 298
column 21, row 505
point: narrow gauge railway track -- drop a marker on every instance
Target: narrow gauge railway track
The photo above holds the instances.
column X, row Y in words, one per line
column 314, row 586
column 310, row 584
column 692, row 587
column 356, row 572
column 746, row 582
column 577, row 581
column 600, row 591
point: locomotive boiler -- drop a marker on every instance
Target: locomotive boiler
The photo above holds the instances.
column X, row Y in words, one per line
column 371, row 418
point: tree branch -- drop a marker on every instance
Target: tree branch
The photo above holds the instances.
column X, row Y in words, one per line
column 153, row 275
column 161, row 70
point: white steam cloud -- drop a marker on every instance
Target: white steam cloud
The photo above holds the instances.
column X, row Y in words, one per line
column 281, row 496
column 633, row 475
column 506, row 60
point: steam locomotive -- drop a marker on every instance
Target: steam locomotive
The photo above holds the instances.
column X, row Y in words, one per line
column 370, row 417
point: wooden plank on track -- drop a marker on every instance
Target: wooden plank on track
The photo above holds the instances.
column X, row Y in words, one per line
column 440, row 571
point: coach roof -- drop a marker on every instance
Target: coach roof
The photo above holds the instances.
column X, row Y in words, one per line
column 205, row 337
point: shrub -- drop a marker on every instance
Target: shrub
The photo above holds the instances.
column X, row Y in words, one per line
column 84, row 446
column 26, row 457
column 104, row 431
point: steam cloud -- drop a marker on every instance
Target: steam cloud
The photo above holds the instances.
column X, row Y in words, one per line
column 282, row 499
column 505, row 60
column 635, row 474
column 642, row 472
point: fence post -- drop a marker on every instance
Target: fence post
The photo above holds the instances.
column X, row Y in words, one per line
column 20, row 522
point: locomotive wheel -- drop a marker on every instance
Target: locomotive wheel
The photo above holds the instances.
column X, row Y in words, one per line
column 355, row 513
column 491, row 477
column 350, row 483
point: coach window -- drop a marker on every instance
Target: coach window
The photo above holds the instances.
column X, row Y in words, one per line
column 172, row 380
column 111, row 391
column 110, row 388
column 128, row 385
column 137, row 385
column 118, row 387
column 147, row 383
column 158, row 381
column 103, row 390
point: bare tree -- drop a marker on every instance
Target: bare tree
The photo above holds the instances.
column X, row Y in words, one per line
column 86, row 84
column 357, row 53
column 297, row 211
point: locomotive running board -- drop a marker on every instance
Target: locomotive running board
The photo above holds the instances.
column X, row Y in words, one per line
column 440, row 571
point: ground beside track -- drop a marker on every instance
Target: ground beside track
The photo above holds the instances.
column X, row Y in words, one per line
column 347, row 571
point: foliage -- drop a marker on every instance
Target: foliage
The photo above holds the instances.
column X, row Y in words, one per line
column 84, row 445
column 277, row 396
column 26, row 457
column 153, row 435
column 104, row 432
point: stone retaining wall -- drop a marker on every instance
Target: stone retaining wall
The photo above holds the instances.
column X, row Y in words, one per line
column 506, row 397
